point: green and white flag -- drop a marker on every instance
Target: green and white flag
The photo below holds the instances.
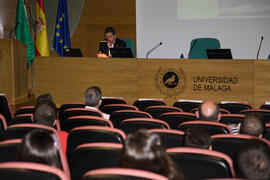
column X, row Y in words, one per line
column 22, row 31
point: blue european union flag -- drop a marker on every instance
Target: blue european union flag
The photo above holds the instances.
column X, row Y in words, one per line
column 61, row 36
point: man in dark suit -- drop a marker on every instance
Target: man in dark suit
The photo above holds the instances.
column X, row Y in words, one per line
column 111, row 41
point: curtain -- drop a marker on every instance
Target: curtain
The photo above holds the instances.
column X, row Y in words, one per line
column 75, row 8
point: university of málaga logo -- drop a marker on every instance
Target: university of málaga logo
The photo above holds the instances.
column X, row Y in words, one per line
column 170, row 81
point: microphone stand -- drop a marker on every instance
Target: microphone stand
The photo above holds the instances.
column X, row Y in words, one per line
column 151, row 50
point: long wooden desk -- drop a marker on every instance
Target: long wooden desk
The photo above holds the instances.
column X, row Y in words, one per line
column 170, row 79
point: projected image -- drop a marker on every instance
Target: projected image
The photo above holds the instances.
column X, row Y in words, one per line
column 223, row 9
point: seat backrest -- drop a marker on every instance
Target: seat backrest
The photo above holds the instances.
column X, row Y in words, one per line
column 22, row 118
column 5, row 108
column 30, row 171
column 91, row 156
column 235, row 108
column 3, row 126
column 84, row 120
column 176, row 118
column 198, row 47
column 77, row 112
column 110, row 108
column 118, row 116
column 228, row 143
column 133, row 124
column 18, row 131
column 265, row 113
column 156, row 111
column 90, row 134
column 170, row 138
column 266, row 133
column 143, row 104
column 199, row 163
column 222, row 111
column 111, row 100
column 212, row 127
column 129, row 44
column 186, row 106
column 8, row 150
column 232, row 118
column 25, row 110
column 121, row 174
column 265, row 106
column 66, row 106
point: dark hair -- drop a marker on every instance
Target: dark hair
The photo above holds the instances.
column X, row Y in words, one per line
column 45, row 113
column 197, row 137
column 42, row 97
column 110, row 30
column 39, row 146
column 212, row 117
column 142, row 150
column 92, row 96
column 253, row 124
column 252, row 160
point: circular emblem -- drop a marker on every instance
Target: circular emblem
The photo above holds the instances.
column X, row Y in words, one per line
column 170, row 81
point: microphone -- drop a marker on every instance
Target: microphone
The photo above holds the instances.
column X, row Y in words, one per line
column 195, row 42
column 259, row 47
column 151, row 50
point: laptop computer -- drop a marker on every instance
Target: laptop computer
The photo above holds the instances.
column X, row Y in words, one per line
column 74, row 53
column 121, row 53
column 219, row 53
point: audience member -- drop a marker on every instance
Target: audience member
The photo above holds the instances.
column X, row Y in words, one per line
column 208, row 111
column 110, row 41
column 252, row 160
column 93, row 99
column 143, row 150
column 42, row 97
column 45, row 113
column 197, row 137
column 41, row 147
column 253, row 125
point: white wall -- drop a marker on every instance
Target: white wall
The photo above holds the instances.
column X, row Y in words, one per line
column 157, row 21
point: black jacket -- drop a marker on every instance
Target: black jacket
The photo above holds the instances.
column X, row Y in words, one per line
column 118, row 43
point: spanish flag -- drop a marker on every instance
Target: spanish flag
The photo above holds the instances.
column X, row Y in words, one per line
column 42, row 43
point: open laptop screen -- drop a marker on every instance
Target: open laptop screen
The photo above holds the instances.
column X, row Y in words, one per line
column 121, row 53
column 219, row 53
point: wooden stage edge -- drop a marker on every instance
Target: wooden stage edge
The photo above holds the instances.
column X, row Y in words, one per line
column 168, row 79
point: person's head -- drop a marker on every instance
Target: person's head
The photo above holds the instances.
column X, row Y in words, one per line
column 93, row 96
column 42, row 97
column 253, row 124
column 143, row 150
column 208, row 111
column 41, row 147
column 197, row 137
column 110, row 34
column 45, row 113
column 252, row 160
